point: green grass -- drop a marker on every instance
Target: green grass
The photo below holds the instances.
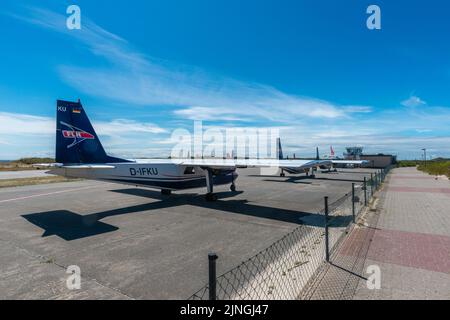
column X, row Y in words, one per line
column 437, row 168
column 35, row 160
column 408, row 163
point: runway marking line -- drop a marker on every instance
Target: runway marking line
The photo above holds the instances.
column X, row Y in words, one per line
column 45, row 194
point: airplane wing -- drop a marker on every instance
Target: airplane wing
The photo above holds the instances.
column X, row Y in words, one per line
column 350, row 161
column 89, row 166
column 252, row 163
column 80, row 166
column 221, row 164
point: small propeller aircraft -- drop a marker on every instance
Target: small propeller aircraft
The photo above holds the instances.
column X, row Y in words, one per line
column 327, row 164
column 80, row 154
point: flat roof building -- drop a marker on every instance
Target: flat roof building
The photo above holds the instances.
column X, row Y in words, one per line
column 379, row 160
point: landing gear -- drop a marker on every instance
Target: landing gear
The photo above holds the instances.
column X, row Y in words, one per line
column 332, row 169
column 282, row 174
column 311, row 173
column 210, row 196
column 166, row 192
column 233, row 187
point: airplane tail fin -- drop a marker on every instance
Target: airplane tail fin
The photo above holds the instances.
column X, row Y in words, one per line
column 76, row 140
column 279, row 150
column 317, row 153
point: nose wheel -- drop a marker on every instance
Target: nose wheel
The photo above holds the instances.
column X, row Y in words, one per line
column 233, row 187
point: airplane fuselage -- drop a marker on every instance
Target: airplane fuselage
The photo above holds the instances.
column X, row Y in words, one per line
column 152, row 174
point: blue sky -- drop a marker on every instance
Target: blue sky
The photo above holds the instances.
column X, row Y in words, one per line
column 309, row 68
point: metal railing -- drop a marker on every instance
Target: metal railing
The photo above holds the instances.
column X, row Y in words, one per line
column 282, row 270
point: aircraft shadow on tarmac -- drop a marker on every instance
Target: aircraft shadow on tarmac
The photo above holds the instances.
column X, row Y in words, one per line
column 70, row 226
column 293, row 179
column 338, row 179
column 298, row 179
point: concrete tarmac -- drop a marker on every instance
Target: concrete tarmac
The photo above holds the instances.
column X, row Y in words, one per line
column 134, row 243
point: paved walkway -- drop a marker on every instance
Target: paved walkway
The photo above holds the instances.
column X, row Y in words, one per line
column 406, row 234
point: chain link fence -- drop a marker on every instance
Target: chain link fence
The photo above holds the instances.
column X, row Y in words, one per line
column 282, row 271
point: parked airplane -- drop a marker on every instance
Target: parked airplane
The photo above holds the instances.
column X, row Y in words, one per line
column 337, row 161
column 310, row 171
column 80, row 154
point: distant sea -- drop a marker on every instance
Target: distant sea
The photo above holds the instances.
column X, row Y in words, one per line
column 5, row 160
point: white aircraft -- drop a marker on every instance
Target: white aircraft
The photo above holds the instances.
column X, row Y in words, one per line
column 80, row 154
column 310, row 171
column 336, row 160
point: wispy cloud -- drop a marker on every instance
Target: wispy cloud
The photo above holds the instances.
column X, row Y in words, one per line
column 24, row 135
column 191, row 93
column 120, row 126
column 17, row 124
column 14, row 124
column 413, row 102
column 138, row 79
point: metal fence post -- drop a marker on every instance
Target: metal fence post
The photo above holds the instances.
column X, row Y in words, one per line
column 376, row 181
column 212, row 257
column 365, row 191
column 327, row 249
column 371, row 185
column 353, row 201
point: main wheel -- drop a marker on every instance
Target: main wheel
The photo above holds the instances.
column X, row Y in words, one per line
column 282, row 174
column 233, row 187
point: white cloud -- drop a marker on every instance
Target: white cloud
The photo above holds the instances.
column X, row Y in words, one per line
column 199, row 96
column 24, row 124
column 14, row 123
column 122, row 126
column 26, row 135
column 134, row 78
column 359, row 109
column 413, row 102
column 138, row 79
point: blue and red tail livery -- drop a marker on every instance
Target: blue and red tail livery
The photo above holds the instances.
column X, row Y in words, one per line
column 76, row 140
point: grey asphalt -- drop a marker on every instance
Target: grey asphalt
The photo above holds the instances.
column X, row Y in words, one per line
column 134, row 243
column 4, row 175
